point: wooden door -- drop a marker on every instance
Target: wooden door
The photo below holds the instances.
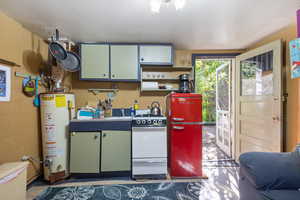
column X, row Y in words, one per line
column 116, row 151
column 124, row 62
column 259, row 100
column 156, row 55
column 94, row 61
column 223, row 108
column 85, row 152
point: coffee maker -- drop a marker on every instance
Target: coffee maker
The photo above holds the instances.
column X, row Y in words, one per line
column 185, row 85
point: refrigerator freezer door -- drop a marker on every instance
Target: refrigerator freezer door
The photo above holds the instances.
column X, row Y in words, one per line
column 185, row 152
column 185, row 109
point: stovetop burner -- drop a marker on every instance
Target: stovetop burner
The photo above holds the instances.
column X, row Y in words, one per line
column 149, row 120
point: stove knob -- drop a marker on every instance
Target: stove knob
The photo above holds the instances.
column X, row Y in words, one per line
column 138, row 121
column 149, row 121
column 160, row 121
column 144, row 122
column 154, row 122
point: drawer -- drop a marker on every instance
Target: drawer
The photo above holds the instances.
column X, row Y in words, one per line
column 149, row 166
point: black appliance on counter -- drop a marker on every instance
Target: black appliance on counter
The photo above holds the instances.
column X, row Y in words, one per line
column 185, row 85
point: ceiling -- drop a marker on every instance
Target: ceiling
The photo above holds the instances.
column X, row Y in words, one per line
column 202, row 24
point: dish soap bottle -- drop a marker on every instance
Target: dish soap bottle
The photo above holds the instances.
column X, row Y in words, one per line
column 135, row 106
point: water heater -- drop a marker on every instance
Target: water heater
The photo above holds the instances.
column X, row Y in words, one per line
column 57, row 109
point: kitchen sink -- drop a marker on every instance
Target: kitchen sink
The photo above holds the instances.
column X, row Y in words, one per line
column 117, row 118
column 125, row 118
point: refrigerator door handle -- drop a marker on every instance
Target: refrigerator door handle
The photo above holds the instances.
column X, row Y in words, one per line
column 178, row 119
column 178, row 127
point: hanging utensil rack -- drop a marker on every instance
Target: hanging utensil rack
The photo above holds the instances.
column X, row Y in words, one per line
column 97, row 91
column 18, row 74
column 9, row 63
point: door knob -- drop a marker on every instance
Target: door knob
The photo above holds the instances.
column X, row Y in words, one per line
column 275, row 118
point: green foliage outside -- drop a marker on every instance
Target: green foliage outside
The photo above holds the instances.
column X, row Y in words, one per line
column 205, row 83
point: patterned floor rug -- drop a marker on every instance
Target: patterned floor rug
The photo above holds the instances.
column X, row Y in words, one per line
column 148, row 191
column 222, row 183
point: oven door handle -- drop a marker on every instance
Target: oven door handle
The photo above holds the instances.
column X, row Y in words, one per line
column 178, row 127
column 148, row 128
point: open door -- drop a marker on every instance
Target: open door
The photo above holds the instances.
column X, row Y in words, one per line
column 223, row 108
column 259, row 100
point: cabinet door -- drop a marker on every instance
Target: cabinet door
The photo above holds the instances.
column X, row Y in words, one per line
column 85, row 152
column 116, row 151
column 124, row 62
column 156, row 54
column 94, row 61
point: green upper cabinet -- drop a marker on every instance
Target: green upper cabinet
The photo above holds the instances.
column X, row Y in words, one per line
column 94, row 61
column 156, row 54
column 124, row 62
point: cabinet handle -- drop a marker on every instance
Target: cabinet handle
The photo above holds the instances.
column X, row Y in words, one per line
column 113, row 75
column 104, row 74
column 142, row 59
column 104, row 135
column 73, row 134
column 96, row 137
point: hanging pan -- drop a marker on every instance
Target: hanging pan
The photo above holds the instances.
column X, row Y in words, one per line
column 71, row 63
column 56, row 49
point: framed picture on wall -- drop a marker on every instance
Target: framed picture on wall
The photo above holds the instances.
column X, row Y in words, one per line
column 5, row 83
column 295, row 58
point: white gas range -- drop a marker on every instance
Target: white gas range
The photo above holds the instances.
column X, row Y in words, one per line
column 149, row 147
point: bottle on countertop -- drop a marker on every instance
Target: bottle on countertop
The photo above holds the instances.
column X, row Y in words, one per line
column 135, row 107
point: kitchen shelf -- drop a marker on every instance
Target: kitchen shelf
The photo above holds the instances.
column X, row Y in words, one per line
column 171, row 68
column 170, row 76
column 162, row 79
column 97, row 91
column 158, row 90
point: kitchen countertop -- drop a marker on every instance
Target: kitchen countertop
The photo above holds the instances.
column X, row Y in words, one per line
column 96, row 125
column 104, row 119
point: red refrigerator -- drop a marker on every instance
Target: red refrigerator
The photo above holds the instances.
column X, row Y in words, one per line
column 184, row 112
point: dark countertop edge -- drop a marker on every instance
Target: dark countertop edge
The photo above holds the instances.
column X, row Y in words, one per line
column 91, row 126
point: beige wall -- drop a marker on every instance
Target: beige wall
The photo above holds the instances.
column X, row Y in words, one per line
column 131, row 91
column 19, row 119
column 292, row 134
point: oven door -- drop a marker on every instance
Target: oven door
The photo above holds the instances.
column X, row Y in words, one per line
column 149, row 142
column 149, row 166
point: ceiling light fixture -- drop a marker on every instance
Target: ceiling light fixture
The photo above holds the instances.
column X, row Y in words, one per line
column 155, row 5
column 179, row 4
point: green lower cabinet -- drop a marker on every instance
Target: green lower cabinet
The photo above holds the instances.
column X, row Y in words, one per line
column 85, row 152
column 116, row 151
